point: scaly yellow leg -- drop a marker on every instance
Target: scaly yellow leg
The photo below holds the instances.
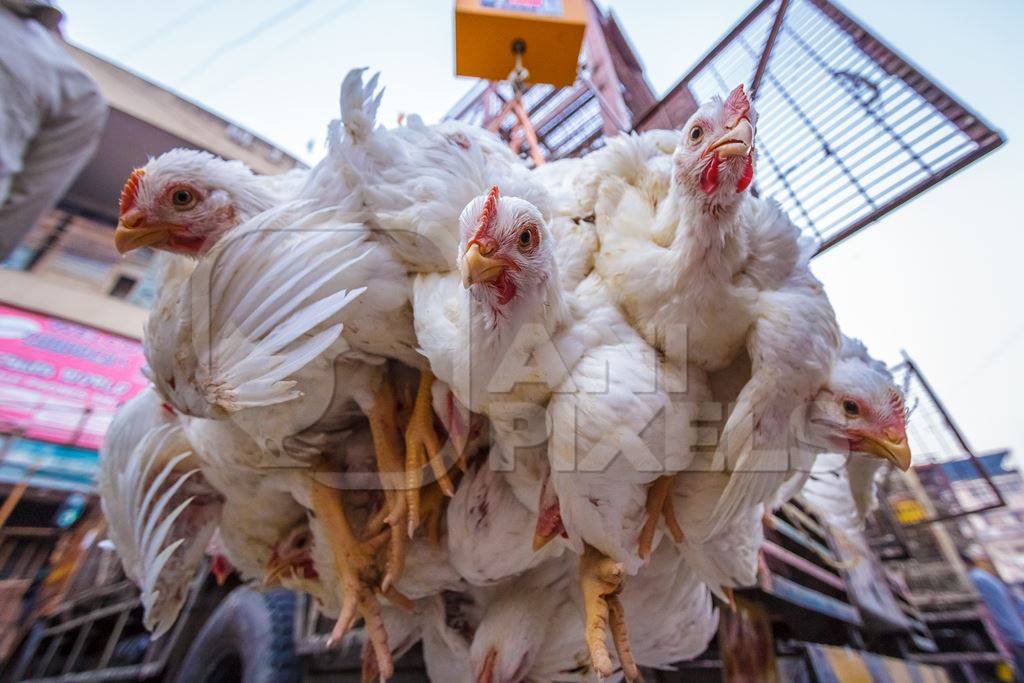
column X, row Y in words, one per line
column 620, row 637
column 659, row 504
column 432, row 510
column 669, row 512
column 388, row 448
column 601, row 581
column 422, row 444
column 360, row 573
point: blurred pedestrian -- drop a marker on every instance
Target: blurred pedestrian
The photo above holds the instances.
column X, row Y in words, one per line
column 1001, row 605
column 51, row 116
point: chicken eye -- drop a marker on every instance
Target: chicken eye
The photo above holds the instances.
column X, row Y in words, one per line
column 851, row 408
column 696, row 133
column 527, row 238
column 183, row 198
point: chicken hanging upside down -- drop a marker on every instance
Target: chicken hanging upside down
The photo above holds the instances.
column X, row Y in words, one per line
column 301, row 312
column 572, row 329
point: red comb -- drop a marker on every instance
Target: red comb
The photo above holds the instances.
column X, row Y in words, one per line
column 489, row 211
column 130, row 191
column 737, row 103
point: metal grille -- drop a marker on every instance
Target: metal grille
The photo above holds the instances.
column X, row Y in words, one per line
column 935, row 438
column 568, row 121
column 930, row 436
column 848, row 130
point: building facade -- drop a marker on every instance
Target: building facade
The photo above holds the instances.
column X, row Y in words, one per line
column 72, row 310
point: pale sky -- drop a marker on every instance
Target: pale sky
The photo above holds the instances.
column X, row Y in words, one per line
column 941, row 277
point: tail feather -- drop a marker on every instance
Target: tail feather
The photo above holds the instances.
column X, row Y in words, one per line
column 359, row 104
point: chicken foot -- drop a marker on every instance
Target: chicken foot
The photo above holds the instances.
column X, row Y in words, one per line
column 422, row 444
column 601, row 582
column 360, row 574
column 388, row 449
column 659, row 504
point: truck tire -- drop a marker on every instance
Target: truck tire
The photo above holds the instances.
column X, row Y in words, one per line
column 249, row 638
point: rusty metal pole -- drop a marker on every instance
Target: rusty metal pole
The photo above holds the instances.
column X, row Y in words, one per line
column 961, row 439
column 769, row 45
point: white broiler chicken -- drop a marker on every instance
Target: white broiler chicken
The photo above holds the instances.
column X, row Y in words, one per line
column 855, row 368
column 160, row 511
column 622, row 419
column 859, row 413
column 843, row 484
column 271, row 331
column 518, row 346
column 490, row 530
column 185, row 200
column 259, row 507
column 221, row 194
column 530, row 628
column 249, row 515
column 669, row 611
column 479, row 326
column 708, row 274
column 414, row 181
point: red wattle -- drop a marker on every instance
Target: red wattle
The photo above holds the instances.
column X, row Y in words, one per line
column 748, row 174
column 709, row 176
column 506, row 289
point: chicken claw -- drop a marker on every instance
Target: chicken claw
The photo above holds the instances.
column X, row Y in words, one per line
column 360, row 574
column 659, row 504
column 601, row 581
column 422, row 444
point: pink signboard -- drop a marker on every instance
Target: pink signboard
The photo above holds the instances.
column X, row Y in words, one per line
column 60, row 381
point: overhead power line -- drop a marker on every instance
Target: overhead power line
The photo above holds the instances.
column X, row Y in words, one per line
column 316, row 24
column 288, row 43
column 247, row 37
column 169, row 27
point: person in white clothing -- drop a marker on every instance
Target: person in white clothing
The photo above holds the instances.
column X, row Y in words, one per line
column 51, row 117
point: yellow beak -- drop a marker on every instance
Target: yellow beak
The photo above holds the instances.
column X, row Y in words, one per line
column 892, row 446
column 478, row 268
column 735, row 143
column 274, row 572
column 133, row 232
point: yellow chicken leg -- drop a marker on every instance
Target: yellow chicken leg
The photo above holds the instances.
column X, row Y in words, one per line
column 384, row 430
column 422, row 444
column 601, row 581
column 359, row 571
column 659, row 504
column 432, row 509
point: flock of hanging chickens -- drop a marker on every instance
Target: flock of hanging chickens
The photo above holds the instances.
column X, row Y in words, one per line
column 532, row 419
